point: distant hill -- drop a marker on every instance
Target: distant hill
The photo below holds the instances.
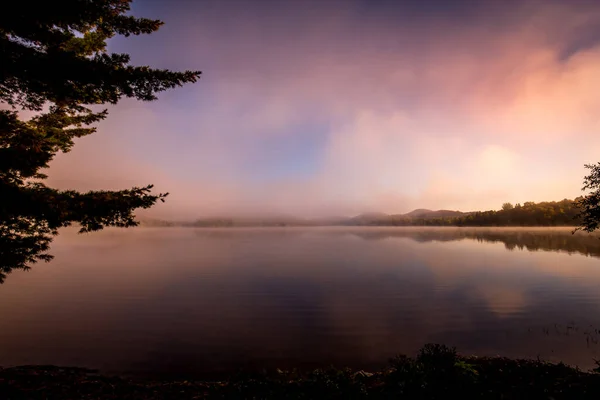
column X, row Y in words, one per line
column 418, row 212
column 561, row 213
column 370, row 218
column 402, row 219
column 366, row 218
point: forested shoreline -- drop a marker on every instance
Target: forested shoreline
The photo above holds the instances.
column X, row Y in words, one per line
column 549, row 213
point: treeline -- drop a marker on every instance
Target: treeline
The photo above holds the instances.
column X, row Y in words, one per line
column 548, row 213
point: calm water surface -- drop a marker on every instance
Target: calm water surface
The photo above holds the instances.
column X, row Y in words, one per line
column 178, row 301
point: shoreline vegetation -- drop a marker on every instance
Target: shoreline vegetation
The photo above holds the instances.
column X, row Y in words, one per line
column 529, row 214
column 436, row 372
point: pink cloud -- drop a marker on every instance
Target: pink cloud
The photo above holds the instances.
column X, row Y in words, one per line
column 438, row 115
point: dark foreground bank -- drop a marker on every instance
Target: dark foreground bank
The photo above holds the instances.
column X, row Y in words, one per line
column 437, row 372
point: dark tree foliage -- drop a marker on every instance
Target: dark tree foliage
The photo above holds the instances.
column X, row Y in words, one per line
column 53, row 61
column 590, row 204
column 547, row 213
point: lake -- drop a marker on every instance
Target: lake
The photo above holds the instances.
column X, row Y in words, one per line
column 183, row 301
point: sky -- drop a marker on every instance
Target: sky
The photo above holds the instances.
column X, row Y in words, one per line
column 337, row 107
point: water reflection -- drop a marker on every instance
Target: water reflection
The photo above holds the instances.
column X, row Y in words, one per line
column 532, row 239
column 207, row 300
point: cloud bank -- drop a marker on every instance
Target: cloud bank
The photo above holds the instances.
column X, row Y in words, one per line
column 314, row 108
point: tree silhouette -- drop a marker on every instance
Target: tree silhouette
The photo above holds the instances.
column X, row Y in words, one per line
column 590, row 203
column 54, row 62
column 507, row 206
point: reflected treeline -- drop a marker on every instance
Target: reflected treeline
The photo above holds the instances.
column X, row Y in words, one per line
column 189, row 300
column 530, row 239
column 522, row 239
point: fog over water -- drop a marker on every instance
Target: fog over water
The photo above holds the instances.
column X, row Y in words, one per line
column 183, row 300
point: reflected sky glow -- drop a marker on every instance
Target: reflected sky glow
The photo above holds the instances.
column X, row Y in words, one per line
column 185, row 300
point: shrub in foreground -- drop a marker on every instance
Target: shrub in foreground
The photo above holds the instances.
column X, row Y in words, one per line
column 437, row 372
